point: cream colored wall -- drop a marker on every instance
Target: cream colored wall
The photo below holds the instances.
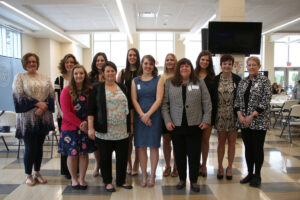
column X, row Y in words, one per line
column 29, row 44
column 179, row 47
column 55, row 57
column 43, row 49
column 269, row 58
column 87, row 58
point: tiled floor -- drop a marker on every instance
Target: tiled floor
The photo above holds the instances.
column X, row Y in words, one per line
column 280, row 177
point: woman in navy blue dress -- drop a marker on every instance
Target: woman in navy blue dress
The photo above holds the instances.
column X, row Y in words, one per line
column 147, row 93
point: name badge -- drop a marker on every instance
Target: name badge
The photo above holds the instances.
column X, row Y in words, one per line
column 189, row 88
column 138, row 86
column 256, row 85
column 195, row 87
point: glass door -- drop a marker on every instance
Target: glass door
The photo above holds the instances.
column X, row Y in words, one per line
column 293, row 78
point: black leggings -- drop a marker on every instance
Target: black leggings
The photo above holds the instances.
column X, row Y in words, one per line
column 254, row 149
column 33, row 152
column 63, row 159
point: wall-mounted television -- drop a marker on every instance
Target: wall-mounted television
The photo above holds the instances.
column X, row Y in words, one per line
column 234, row 37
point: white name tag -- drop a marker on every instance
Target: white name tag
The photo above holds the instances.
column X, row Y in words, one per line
column 195, row 87
column 189, row 88
column 256, row 85
column 138, row 86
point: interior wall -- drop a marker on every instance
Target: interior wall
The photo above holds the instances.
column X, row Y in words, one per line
column 269, row 58
column 179, row 47
column 43, row 48
column 55, row 57
column 29, row 44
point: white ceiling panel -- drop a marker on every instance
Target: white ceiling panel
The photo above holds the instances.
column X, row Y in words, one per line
column 72, row 17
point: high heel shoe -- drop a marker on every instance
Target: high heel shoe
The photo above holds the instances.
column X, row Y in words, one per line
column 203, row 174
column 39, row 179
column 167, row 172
column 144, row 182
column 151, row 182
column 227, row 176
column 30, row 181
column 220, row 174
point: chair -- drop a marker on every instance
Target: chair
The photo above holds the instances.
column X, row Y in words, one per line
column 293, row 119
column 8, row 118
column 284, row 111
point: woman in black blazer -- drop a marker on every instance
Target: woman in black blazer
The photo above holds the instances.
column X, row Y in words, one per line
column 227, row 83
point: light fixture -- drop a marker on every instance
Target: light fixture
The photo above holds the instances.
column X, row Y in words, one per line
column 121, row 10
column 36, row 21
column 147, row 14
column 281, row 26
column 206, row 23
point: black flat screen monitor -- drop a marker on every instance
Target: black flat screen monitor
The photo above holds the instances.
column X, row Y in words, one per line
column 234, row 37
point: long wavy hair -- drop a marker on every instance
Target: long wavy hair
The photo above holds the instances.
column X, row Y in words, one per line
column 61, row 66
column 210, row 69
column 152, row 61
column 95, row 72
column 137, row 64
column 73, row 91
column 165, row 66
column 177, row 78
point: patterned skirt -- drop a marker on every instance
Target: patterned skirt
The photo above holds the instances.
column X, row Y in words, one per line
column 75, row 143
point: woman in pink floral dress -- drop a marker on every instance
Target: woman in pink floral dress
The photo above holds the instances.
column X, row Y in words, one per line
column 74, row 140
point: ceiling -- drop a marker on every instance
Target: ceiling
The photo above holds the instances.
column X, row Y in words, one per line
column 78, row 17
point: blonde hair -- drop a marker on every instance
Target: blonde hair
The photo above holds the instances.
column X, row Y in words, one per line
column 255, row 59
column 165, row 66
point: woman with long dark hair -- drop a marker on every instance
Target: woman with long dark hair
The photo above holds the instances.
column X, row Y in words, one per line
column 125, row 77
column 96, row 76
column 204, row 69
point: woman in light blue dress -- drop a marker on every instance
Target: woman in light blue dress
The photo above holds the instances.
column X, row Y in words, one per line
column 147, row 93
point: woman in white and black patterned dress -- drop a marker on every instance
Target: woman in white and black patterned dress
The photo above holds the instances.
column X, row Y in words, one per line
column 227, row 83
column 252, row 105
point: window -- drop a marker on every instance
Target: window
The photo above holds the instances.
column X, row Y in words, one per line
column 10, row 42
column 193, row 47
column 114, row 45
column 158, row 45
column 286, row 52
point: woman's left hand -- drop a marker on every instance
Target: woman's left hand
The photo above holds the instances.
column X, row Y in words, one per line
column 203, row 126
column 145, row 118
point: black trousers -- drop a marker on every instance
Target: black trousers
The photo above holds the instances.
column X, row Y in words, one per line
column 33, row 152
column 254, row 149
column 63, row 159
column 187, row 144
column 106, row 148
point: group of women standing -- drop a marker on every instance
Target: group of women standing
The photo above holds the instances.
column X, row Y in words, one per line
column 101, row 113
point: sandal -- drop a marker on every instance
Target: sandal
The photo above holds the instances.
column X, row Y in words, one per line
column 174, row 172
column 151, row 182
column 144, row 182
column 167, row 171
column 30, row 181
column 40, row 179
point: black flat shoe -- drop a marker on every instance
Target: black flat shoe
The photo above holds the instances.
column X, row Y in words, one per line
column 247, row 179
column 219, row 175
column 127, row 187
column 75, row 187
column 180, row 185
column 195, row 187
column 110, row 190
column 83, row 187
column 255, row 181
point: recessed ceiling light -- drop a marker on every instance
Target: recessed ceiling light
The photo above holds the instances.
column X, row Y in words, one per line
column 147, row 14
